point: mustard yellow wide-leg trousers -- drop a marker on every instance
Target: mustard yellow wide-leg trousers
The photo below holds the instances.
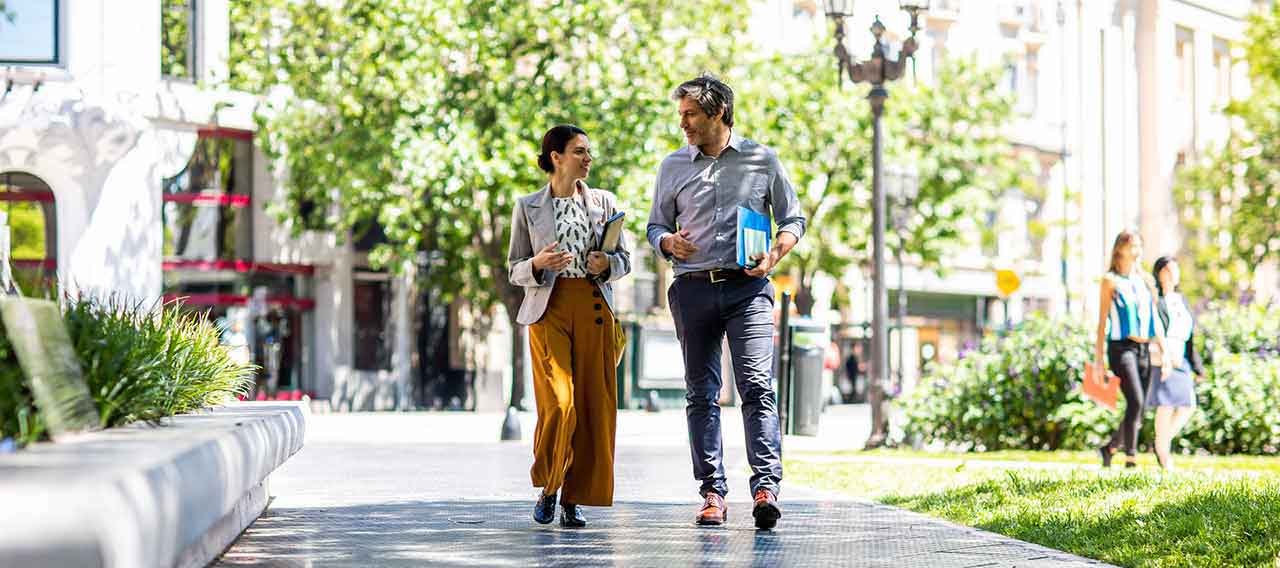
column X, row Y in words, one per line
column 575, row 386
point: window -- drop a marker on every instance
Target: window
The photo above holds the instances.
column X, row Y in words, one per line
column 1029, row 96
column 1185, row 105
column 178, row 39
column 29, row 32
column 1221, row 72
column 33, row 231
column 371, row 295
column 206, row 206
column 1010, row 80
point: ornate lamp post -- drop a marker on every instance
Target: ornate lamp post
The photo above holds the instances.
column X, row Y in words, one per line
column 877, row 71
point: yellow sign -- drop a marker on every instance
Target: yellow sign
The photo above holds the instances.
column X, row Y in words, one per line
column 1007, row 282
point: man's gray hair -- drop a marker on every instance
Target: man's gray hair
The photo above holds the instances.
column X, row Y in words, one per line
column 711, row 94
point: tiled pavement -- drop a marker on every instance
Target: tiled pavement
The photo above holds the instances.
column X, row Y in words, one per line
column 430, row 490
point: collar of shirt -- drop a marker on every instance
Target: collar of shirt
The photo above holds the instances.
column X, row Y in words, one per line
column 735, row 142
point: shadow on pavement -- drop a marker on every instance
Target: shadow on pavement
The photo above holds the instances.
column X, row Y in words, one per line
column 502, row 533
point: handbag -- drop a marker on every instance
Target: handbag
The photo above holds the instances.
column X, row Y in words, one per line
column 619, row 343
column 1100, row 386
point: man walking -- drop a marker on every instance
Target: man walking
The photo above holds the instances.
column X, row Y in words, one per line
column 694, row 223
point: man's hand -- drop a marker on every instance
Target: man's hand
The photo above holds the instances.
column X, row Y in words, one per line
column 597, row 262
column 549, row 259
column 677, row 244
column 764, row 263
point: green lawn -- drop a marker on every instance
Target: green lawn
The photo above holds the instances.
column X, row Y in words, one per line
column 1204, row 463
column 1217, row 512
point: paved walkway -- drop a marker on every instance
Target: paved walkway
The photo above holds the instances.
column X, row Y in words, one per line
column 434, row 489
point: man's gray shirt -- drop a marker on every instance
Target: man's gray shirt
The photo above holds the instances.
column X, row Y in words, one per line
column 702, row 194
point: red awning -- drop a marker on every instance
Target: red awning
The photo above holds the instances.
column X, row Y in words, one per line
column 238, row 266
column 304, row 304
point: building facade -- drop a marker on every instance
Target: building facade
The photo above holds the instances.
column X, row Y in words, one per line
column 126, row 169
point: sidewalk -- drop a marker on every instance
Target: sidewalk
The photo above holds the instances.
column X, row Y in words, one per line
column 417, row 489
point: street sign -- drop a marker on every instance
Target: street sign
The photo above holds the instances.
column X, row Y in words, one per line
column 1007, row 282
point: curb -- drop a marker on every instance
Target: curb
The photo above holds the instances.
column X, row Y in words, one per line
column 145, row 496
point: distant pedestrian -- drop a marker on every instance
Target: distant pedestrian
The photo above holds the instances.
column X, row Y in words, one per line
column 573, row 336
column 1173, row 393
column 1127, row 324
column 694, row 223
column 853, row 375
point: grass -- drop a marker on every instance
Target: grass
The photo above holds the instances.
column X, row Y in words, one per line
column 1204, row 463
column 1218, row 512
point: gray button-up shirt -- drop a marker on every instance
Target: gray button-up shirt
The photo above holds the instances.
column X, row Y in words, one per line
column 702, row 194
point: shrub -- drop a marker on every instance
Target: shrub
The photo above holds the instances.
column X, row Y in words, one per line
column 139, row 364
column 1237, row 401
column 1017, row 390
column 1020, row 390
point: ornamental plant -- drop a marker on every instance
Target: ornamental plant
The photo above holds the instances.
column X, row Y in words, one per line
column 140, row 364
column 1017, row 390
column 1020, row 390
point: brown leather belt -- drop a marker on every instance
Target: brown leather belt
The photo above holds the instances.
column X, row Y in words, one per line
column 718, row 275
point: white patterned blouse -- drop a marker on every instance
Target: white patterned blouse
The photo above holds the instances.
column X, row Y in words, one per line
column 573, row 230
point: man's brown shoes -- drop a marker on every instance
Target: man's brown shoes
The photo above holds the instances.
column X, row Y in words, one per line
column 713, row 512
column 766, row 510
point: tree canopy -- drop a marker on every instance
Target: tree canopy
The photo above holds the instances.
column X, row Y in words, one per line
column 426, row 118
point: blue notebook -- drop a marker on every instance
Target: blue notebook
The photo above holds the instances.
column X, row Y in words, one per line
column 753, row 236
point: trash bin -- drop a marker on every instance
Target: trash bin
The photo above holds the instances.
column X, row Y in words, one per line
column 808, row 347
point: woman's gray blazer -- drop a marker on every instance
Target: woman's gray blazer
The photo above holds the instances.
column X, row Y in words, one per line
column 533, row 227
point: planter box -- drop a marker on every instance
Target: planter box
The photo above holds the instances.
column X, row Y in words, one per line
column 143, row 496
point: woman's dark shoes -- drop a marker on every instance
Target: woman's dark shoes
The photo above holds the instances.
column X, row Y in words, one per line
column 1130, row 463
column 571, row 516
column 544, row 511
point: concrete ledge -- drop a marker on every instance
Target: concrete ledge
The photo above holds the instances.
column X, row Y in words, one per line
column 175, row 495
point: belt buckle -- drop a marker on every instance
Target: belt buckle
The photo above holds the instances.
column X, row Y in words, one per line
column 712, row 275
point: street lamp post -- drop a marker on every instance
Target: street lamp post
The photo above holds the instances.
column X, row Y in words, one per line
column 877, row 71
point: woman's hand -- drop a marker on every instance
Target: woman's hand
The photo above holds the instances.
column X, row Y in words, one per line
column 1100, row 377
column 597, row 262
column 549, row 259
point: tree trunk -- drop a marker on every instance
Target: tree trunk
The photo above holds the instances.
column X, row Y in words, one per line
column 512, row 297
column 804, row 300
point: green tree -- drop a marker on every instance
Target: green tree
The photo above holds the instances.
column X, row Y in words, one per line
column 951, row 133
column 425, row 118
column 1228, row 200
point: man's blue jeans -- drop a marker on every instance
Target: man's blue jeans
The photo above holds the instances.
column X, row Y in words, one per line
column 704, row 313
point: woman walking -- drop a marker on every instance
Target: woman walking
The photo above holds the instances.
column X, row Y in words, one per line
column 1173, row 393
column 568, row 306
column 1127, row 324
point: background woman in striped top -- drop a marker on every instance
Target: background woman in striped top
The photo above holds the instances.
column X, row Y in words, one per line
column 1127, row 323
